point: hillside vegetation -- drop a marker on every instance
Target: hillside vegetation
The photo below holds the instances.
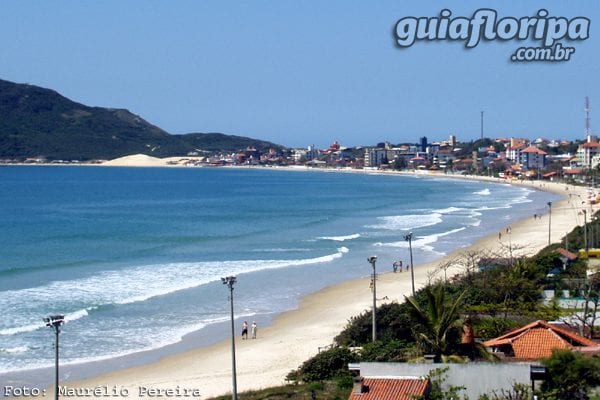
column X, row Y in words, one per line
column 36, row 122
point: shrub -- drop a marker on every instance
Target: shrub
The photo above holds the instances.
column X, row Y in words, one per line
column 325, row 365
column 570, row 375
column 390, row 351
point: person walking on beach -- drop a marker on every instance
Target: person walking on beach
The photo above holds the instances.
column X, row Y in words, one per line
column 254, row 329
column 245, row 330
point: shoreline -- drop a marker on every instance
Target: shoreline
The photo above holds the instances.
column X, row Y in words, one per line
column 294, row 336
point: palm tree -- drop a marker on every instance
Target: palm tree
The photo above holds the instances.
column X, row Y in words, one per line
column 436, row 320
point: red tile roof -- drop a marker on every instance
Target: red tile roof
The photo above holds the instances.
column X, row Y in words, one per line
column 533, row 149
column 538, row 339
column 590, row 145
column 567, row 253
column 392, row 388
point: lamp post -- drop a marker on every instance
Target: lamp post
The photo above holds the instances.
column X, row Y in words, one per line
column 408, row 238
column 372, row 260
column 549, row 221
column 54, row 322
column 585, row 231
column 229, row 281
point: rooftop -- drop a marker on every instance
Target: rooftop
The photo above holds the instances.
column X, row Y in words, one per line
column 391, row 388
column 538, row 339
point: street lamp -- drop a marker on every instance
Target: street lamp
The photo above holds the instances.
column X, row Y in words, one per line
column 549, row 220
column 372, row 260
column 585, row 231
column 408, row 238
column 54, row 322
column 230, row 281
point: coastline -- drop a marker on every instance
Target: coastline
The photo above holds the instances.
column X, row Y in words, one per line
column 296, row 335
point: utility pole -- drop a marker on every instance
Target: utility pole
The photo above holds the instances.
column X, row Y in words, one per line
column 585, row 231
column 230, row 281
column 372, row 260
column 54, row 322
column 482, row 125
column 408, row 238
column 549, row 221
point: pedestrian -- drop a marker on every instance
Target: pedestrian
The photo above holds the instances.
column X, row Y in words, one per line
column 499, row 235
column 407, row 267
column 395, row 266
column 254, row 329
column 534, row 216
column 245, row 330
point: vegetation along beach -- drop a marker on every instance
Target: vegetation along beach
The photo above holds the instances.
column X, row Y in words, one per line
column 287, row 200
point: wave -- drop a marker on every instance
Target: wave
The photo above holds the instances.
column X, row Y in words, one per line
column 119, row 287
column 340, row 238
column 484, row 192
column 448, row 210
column 15, row 350
column 422, row 242
column 21, row 329
column 407, row 222
column 168, row 337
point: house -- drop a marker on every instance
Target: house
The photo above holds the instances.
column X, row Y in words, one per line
column 515, row 154
column 537, row 340
column 389, row 388
column 490, row 377
column 533, row 158
column 566, row 257
column 586, row 152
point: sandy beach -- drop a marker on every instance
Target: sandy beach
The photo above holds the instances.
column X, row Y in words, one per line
column 297, row 335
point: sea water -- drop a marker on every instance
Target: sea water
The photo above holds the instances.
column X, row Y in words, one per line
column 133, row 256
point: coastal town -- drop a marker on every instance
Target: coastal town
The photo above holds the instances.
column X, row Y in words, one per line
column 502, row 157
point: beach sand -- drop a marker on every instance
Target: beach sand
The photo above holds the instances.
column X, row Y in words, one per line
column 295, row 336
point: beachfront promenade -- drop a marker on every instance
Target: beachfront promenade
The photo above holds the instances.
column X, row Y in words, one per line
column 296, row 335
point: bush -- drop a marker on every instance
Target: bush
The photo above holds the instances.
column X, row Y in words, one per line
column 570, row 375
column 491, row 327
column 325, row 365
column 390, row 351
column 393, row 323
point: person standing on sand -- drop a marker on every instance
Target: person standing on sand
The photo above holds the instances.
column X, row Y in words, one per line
column 254, row 329
column 245, row 330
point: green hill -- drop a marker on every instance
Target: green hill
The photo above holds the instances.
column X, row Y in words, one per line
column 35, row 121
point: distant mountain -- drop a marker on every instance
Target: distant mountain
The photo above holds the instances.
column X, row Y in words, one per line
column 35, row 121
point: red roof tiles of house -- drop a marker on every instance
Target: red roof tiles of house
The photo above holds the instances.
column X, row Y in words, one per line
column 567, row 253
column 538, row 339
column 391, row 388
column 590, row 145
column 533, row 149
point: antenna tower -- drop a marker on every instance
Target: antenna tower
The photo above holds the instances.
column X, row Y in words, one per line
column 587, row 117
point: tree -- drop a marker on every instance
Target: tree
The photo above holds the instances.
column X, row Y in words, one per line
column 570, row 375
column 327, row 364
column 585, row 321
column 436, row 321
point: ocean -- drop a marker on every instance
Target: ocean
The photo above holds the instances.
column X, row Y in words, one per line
column 133, row 256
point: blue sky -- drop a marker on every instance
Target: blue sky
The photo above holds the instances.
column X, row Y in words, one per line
column 301, row 72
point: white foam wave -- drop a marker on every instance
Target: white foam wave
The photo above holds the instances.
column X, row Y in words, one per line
column 422, row 242
column 484, row 192
column 15, row 350
column 128, row 286
column 407, row 222
column 340, row 238
column 76, row 315
column 448, row 210
column 21, row 329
